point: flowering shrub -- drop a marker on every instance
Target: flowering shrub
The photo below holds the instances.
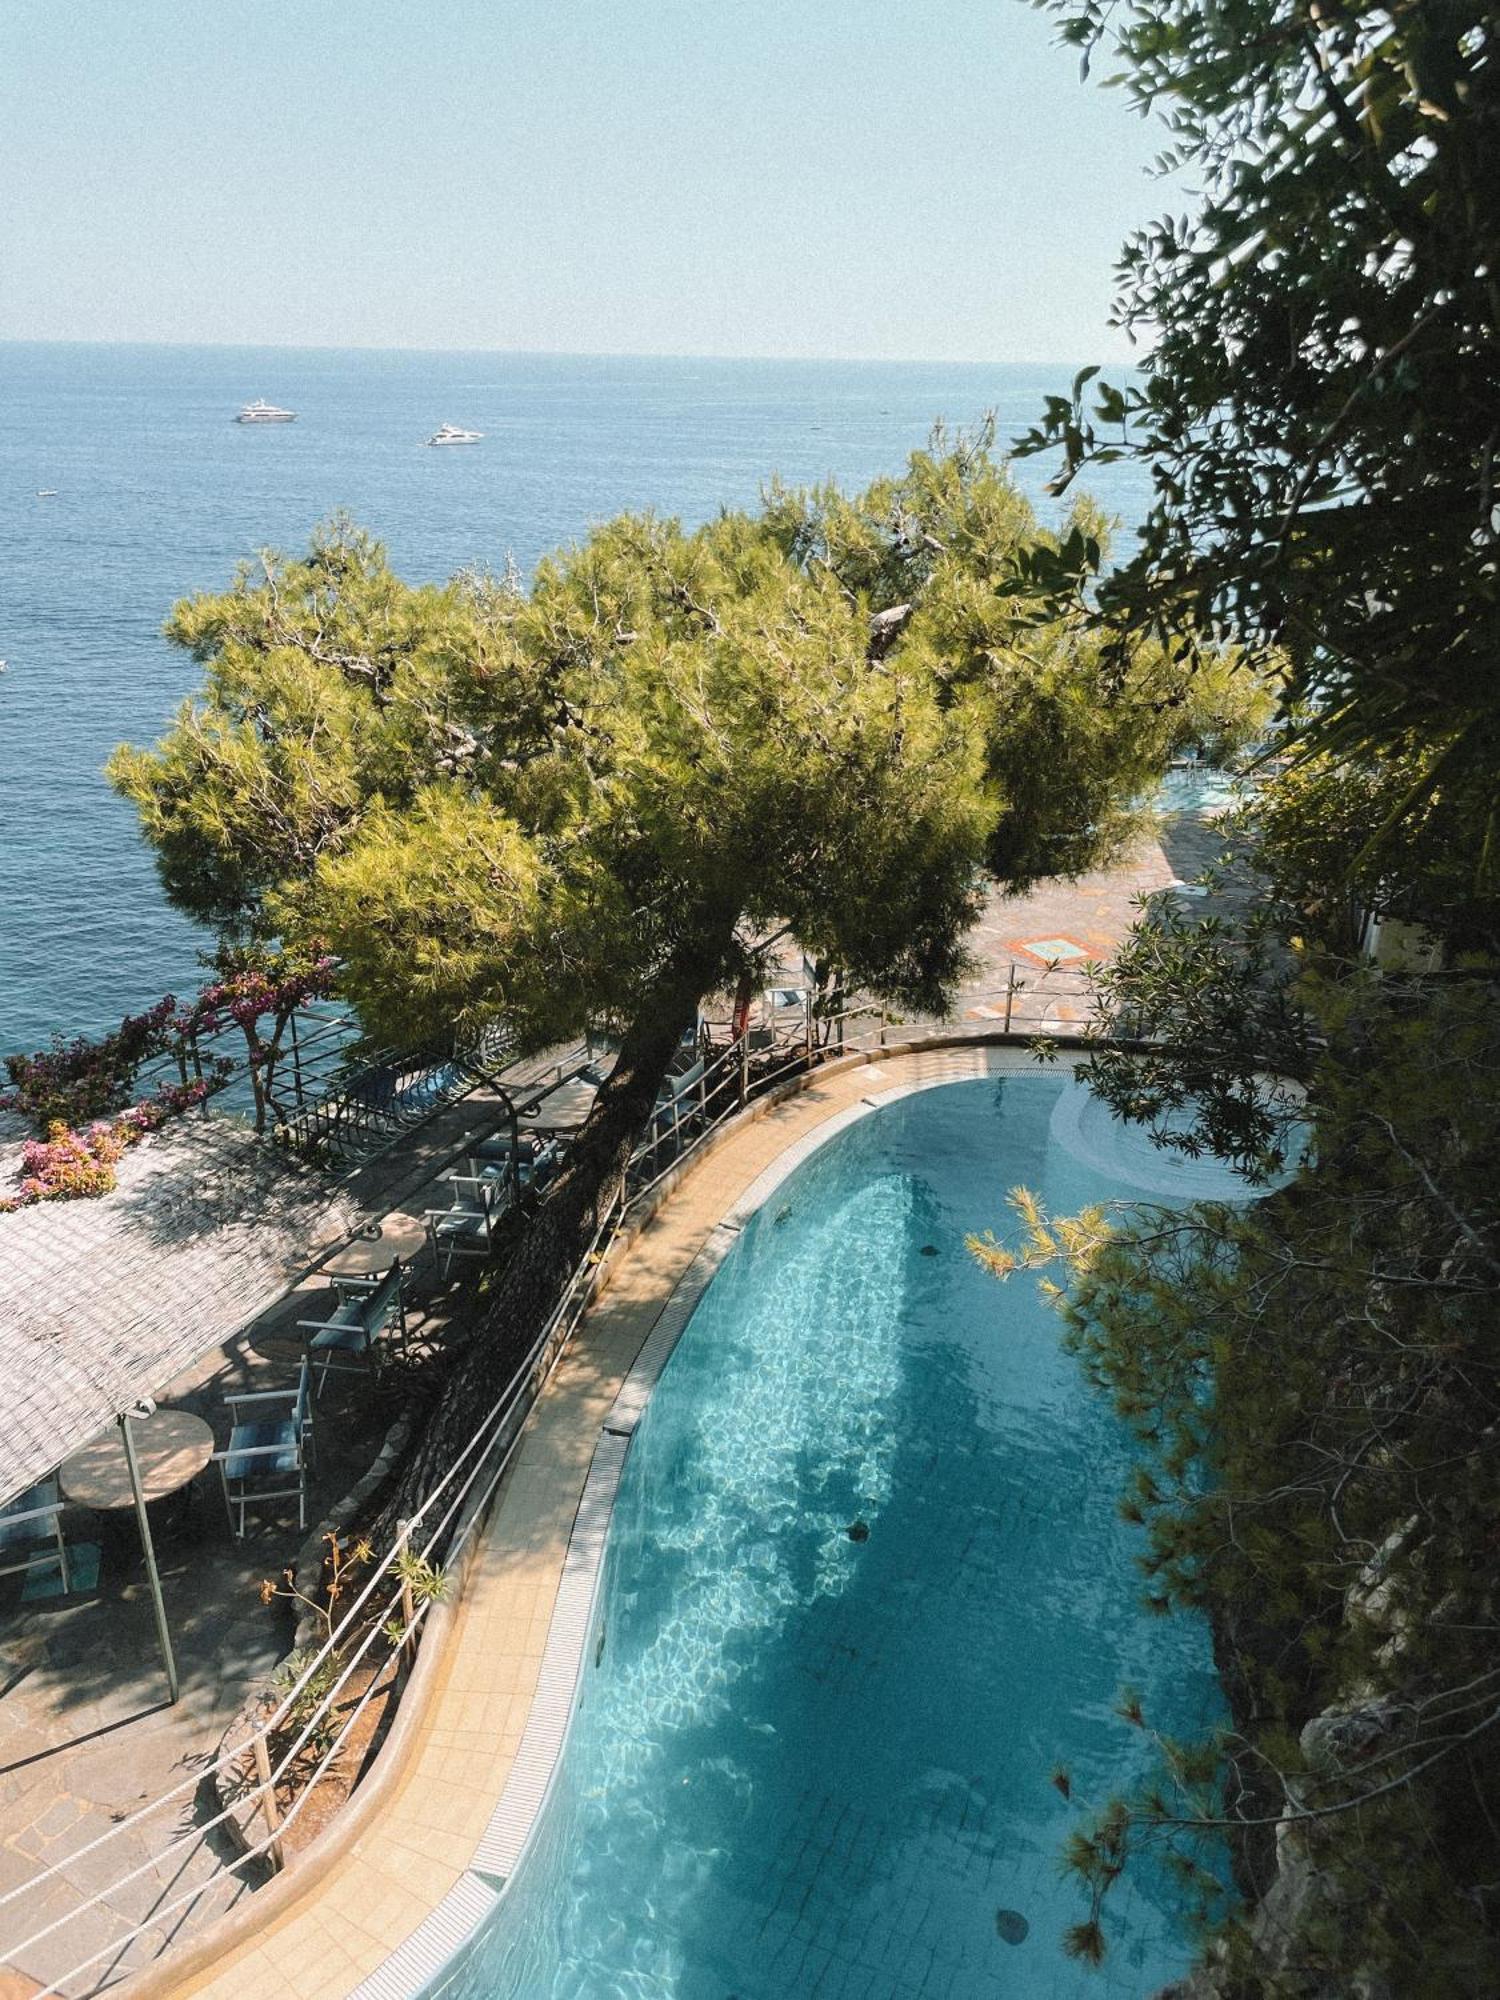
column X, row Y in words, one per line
column 68, row 1165
column 168, row 1102
column 68, row 1090
column 74, row 1081
column 256, row 984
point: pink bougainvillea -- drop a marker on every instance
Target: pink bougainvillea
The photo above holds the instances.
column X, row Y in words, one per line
column 68, row 1165
column 78, row 1080
column 68, row 1090
column 256, row 984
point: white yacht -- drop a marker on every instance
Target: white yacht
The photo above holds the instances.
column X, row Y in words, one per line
column 262, row 412
column 452, row 434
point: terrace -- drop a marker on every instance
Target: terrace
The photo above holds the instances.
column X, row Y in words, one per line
column 186, row 1285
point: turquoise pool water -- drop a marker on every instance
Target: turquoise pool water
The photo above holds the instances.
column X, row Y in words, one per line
column 806, row 1764
column 1196, row 788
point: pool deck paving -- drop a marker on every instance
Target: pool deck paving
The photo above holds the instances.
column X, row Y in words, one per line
column 368, row 1904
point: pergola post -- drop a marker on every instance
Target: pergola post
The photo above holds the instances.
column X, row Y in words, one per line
column 514, row 1117
column 148, row 1549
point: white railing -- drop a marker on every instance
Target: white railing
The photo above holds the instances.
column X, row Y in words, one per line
column 1055, row 997
column 485, row 1466
column 385, row 1602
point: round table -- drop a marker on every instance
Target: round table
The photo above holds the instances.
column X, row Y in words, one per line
column 375, row 1249
column 171, row 1448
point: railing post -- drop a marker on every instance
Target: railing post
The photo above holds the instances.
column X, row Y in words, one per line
column 744, row 1069
column 268, row 1801
column 408, row 1609
column 296, row 1061
column 1010, row 995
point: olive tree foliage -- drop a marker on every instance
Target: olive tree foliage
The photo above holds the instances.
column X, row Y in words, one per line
column 1320, row 406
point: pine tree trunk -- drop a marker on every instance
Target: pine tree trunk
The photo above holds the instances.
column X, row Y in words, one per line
column 555, row 1240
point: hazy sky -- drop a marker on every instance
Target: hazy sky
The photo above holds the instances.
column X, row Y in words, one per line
column 883, row 178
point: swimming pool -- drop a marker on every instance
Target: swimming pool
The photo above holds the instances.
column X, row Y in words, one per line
column 810, row 1761
column 1198, row 788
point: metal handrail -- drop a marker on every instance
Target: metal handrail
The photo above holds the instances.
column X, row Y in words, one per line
column 481, row 1442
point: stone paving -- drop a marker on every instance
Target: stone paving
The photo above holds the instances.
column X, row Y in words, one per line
column 1019, row 935
column 86, row 1734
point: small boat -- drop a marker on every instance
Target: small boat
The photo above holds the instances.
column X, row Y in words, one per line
column 46, row 493
column 452, row 434
column 262, row 412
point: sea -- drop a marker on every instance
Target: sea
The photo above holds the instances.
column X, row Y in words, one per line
column 125, row 485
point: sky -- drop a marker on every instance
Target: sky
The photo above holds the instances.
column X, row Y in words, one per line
column 881, row 179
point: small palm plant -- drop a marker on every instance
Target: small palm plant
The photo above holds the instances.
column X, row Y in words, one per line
column 309, row 1704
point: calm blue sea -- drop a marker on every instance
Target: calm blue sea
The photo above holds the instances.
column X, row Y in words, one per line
column 155, row 493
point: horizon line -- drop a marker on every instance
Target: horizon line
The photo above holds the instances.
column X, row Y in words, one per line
column 566, row 354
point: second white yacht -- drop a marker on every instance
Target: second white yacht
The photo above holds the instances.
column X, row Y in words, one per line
column 452, row 434
column 262, row 412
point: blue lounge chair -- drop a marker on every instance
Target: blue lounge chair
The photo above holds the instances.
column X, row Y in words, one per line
column 32, row 1523
column 466, row 1227
column 269, row 1453
column 675, row 1099
column 366, row 1307
column 537, row 1160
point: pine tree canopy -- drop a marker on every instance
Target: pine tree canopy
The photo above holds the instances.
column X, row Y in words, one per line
column 826, row 718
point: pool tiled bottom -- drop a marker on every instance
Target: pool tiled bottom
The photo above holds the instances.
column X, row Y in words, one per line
column 866, row 1588
column 852, row 1908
